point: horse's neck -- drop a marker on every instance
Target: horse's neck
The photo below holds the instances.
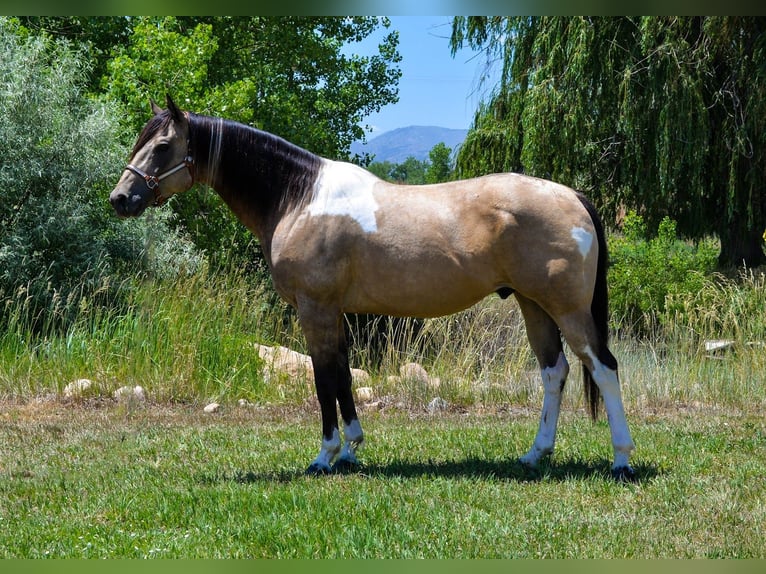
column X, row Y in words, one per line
column 259, row 176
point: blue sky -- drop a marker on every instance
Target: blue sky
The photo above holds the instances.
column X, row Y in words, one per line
column 435, row 89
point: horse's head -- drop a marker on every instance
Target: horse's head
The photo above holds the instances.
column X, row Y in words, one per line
column 160, row 165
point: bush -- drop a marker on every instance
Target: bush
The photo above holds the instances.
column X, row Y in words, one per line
column 62, row 154
column 649, row 275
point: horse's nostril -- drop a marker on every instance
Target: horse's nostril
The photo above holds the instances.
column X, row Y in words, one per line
column 117, row 201
column 120, row 203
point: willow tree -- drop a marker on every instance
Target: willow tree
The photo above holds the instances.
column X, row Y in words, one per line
column 666, row 115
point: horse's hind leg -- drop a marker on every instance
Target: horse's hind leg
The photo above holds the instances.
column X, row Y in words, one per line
column 545, row 340
column 580, row 334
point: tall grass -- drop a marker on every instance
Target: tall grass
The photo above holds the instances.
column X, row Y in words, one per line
column 192, row 339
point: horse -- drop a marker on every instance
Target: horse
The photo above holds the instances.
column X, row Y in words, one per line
column 337, row 239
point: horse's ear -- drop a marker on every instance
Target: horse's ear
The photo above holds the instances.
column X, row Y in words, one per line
column 175, row 112
column 156, row 110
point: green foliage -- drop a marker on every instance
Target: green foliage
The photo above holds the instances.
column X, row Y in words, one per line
column 732, row 308
column 59, row 239
column 410, row 171
column 159, row 59
column 661, row 114
column 648, row 276
column 439, row 164
column 436, row 169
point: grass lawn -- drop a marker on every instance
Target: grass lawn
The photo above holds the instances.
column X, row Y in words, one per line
column 97, row 479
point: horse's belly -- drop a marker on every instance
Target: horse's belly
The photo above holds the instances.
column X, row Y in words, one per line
column 416, row 290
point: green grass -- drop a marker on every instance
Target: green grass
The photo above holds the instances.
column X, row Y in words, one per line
column 99, row 480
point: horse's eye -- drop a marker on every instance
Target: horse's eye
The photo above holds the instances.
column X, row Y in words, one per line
column 162, row 148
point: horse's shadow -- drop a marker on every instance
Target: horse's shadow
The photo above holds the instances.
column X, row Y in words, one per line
column 565, row 470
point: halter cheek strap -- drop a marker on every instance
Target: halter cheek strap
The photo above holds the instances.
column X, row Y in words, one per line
column 153, row 181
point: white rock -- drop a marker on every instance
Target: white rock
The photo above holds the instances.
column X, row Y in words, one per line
column 244, row 403
column 718, row 345
column 364, row 394
column 414, row 372
column 285, row 361
column 211, row 408
column 78, row 388
column 360, row 377
column 128, row 393
column 438, row 404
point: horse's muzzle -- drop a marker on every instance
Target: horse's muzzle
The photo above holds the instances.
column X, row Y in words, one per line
column 127, row 204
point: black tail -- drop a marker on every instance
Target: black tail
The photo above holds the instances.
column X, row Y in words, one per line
column 600, row 310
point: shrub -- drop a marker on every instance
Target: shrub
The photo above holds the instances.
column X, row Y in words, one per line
column 61, row 150
column 648, row 275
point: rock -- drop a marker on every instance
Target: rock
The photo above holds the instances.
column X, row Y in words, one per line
column 211, row 408
column 360, row 377
column 437, row 405
column 718, row 345
column 719, row 348
column 281, row 360
column 78, row 388
column 414, row 372
column 364, row 394
column 244, row 403
column 128, row 393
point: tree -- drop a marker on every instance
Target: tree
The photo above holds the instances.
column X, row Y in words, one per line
column 664, row 115
column 59, row 240
column 439, row 166
column 411, row 171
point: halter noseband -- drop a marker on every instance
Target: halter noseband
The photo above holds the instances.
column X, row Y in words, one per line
column 153, row 181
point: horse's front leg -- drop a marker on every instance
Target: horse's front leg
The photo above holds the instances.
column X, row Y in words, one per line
column 352, row 430
column 325, row 337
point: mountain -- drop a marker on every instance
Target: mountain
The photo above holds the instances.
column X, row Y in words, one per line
column 399, row 144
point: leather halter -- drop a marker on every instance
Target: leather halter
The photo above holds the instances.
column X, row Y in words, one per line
column 153, row 181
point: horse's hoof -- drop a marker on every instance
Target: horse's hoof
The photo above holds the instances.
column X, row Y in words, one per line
column 528, row 463
column 345, row 466
column 317, row 470
column 624, row 474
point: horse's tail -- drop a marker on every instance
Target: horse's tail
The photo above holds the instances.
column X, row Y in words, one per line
column 599, row 309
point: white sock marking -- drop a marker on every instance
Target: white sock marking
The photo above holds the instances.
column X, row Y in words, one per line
column 354, row 439
column 546, row 434
column 609, row 384
column 328, row 452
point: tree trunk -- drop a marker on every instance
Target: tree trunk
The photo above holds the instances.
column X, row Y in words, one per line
column 741, row 246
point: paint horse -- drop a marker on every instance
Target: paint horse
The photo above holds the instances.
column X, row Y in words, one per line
column 339, row 240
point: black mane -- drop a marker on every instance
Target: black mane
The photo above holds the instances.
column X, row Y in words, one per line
column 252, row 164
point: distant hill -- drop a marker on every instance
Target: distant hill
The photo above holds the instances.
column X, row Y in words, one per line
column 399, row 144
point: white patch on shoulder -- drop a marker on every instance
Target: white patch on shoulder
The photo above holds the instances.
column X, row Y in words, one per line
column 345, row 189
column 584, row 240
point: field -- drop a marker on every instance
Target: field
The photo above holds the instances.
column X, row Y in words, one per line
column 92, row 477
column 97, row 480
